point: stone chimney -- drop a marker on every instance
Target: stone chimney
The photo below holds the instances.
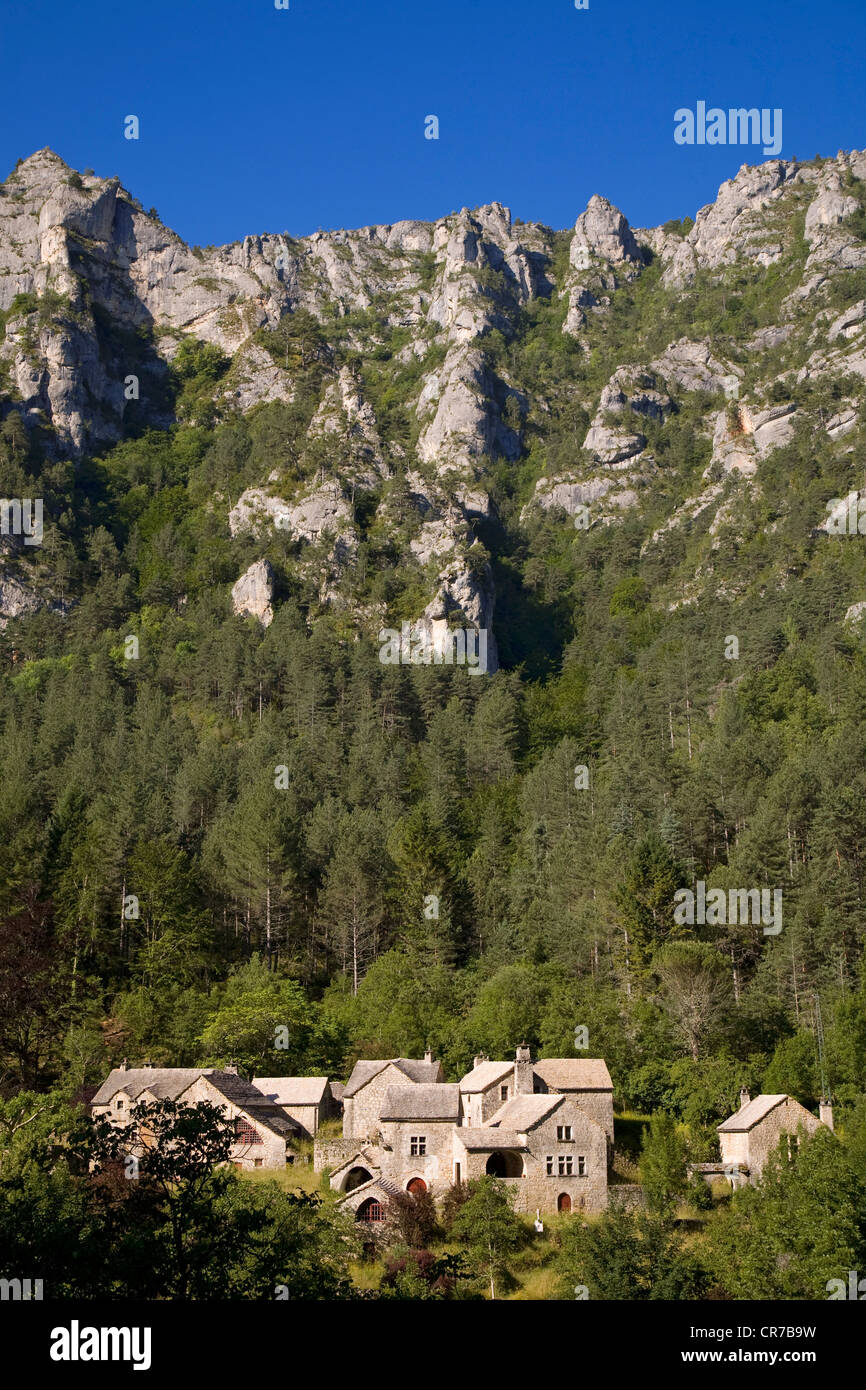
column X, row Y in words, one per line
column 524, row 1079
column 478, row 1059
column 122, row 1066
column 825, row 1113
column 744, row 1098
column 428, row 1056
column 231, row 1068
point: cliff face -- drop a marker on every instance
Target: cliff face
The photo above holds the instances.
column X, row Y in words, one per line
column 763, row 295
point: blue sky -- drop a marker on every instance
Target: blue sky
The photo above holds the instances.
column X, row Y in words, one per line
column 255, row 119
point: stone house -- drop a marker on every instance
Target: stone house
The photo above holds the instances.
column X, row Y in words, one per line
column 263, row 1131
column 545, row 1146
column 748, row 1138
column 307, row 1100
column 545, row 1128
column 365, row 1090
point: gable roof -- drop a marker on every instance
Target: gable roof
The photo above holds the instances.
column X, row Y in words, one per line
column 369, row 1189
column 574, row 1073
column 750, row 1115
column 523, row 1112
column 292, row 1090
column 170, row 1083
column 245, row 1096
column 484, row 1137
column 484, row 1075
column 363, row 1072
column 167, row 1083
column 437, row 1101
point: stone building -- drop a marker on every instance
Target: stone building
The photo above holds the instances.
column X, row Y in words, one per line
column 545, row 1128
column 263, row 1131
column 748, row 1138
column 365, row 1090
column 308, row 1100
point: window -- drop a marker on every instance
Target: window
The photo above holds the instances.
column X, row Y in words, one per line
column 417, row 1145
column 581, row 1166
column 245, row 1134
column 503, row 1092
column 118, row 1105
column 257, row 1162
column 566, row 1162
column 563, row 1132
column 549, row 1165
column 793, row 1146
column 371, row 1210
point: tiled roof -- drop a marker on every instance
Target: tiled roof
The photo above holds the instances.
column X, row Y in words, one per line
column 167, row 1083
column 363, row 1072
column 574, row 1073
column 522, row 1112
column 440, row 1101
column 751, row 1114
column 484, row 1075
column 485, row 1137
column 292, row 1090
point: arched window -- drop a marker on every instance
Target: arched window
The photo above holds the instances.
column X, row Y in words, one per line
column 416, row 1185
column 370, row 1211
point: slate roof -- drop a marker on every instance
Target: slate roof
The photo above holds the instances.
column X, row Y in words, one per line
column 522, row 1112
column 367, row 1189
column 574, row 1073
column 484, row 1075
column 167, row 1083
column 750, row 1115
column 439, row 1101
column 485, row 1137
column 363, row 1072
column 245, row 1096
column 292, row 1090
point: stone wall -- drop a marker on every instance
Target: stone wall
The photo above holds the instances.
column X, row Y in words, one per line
column 361, row 1111
column 333, row 1152
column 435, row 1167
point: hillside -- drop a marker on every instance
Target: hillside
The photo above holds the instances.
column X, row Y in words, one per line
column 610, row 448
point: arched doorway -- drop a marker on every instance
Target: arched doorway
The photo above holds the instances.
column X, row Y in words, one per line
column 503, row 1164
column 563, row 1202
column 416, row 1185
column 355, row 1177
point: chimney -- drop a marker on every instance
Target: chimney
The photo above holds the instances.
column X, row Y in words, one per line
column 744, row 1098
column 825, row 1113
column 122, row 1066
column 428, row 1056
column 524, row 1077
column 231, row 1068
column 478, row 1059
